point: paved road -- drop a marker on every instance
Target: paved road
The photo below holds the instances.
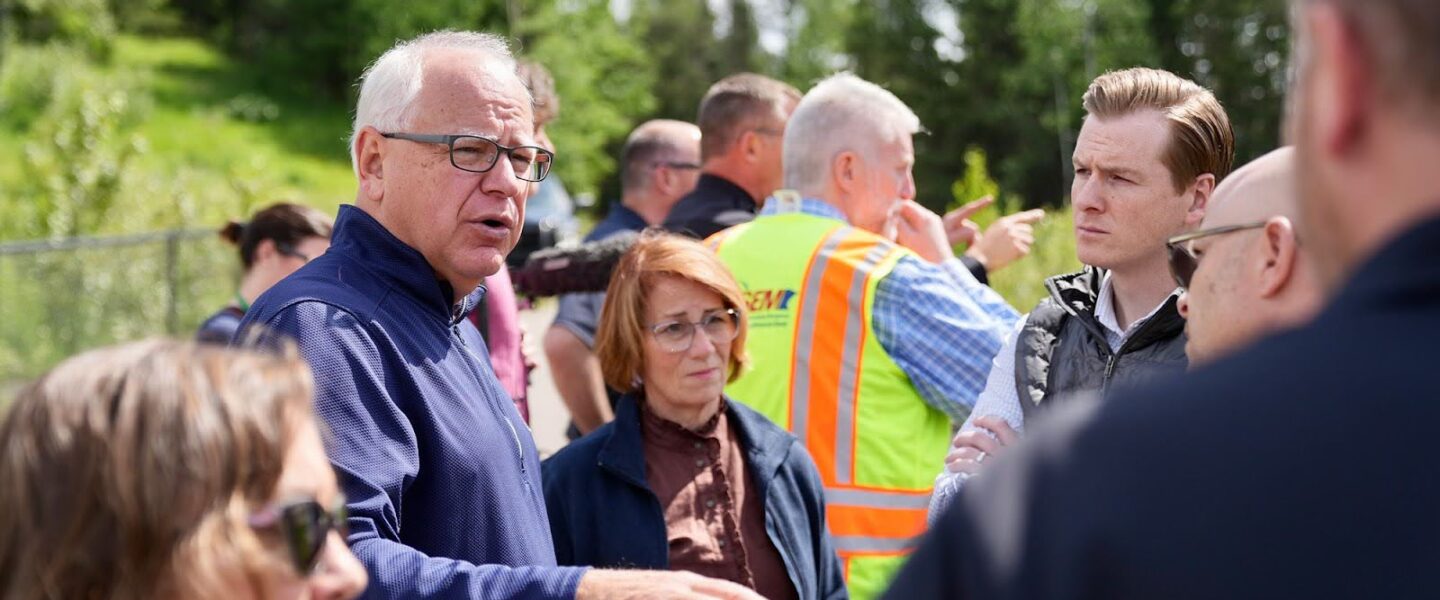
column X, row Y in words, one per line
column 548, row 415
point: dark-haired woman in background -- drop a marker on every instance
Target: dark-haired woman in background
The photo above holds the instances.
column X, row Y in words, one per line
column 276, row 242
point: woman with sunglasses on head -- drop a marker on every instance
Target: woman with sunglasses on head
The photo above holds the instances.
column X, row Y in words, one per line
column 164, row 469
column 276, row 242
column 685, row 478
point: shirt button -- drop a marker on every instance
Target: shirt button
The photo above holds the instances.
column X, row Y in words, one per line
column 710, row 503
column 699, row 462
column 721, row 543
column 699, row 445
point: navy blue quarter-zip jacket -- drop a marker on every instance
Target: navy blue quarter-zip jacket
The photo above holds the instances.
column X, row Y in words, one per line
column 441, row 475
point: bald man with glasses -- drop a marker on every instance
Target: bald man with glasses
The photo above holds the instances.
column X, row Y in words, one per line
column 1243, row 273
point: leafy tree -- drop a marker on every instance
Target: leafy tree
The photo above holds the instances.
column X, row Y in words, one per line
column 815, row 31
column 1239, row 49
column 603, row 77
column 680, row 39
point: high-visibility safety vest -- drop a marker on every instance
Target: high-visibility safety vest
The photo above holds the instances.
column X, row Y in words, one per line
column 819, row 371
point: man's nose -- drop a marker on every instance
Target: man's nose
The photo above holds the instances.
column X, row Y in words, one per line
column 501, row 180
column 907, row 187
column 340, row 576
column 1086, row 196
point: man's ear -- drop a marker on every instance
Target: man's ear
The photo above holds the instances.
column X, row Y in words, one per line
column 750, row 145
column 370, row 162
column 1279, row 250
column 264, row 251
column 1200, row 193
column 845, row 172
column 1344, row 85
column 663, row 180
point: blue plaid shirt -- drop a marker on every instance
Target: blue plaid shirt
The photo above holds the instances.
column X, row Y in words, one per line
column 939, row 325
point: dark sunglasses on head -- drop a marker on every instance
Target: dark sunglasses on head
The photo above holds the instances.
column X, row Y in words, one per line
column 1183, row 261
column 305, row 525
column 288, row 250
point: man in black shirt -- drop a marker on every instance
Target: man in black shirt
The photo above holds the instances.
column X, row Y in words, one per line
column 742, row 124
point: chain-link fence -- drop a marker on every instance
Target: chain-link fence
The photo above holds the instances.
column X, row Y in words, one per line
column 60, row 297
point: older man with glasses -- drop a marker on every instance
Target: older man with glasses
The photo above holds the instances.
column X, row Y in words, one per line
column 441, row 473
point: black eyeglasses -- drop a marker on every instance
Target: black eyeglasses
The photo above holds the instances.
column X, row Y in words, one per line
column 677, row 336
column 477, row 154
column 288, row 250
column 1183, row 261
column 305, row 525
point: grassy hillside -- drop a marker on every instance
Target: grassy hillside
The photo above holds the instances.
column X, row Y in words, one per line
column 198, row 144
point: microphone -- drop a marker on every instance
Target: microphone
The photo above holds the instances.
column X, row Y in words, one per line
column 583, row 268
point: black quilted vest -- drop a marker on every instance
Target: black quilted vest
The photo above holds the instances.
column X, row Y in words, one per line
column 1062, row 348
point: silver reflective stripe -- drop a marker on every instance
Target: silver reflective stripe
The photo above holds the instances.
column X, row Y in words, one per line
column 805, row 337
column 860, row 543
column 850, row 364
column 876, row 499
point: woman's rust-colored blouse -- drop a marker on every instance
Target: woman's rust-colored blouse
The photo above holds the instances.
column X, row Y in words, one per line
column 714, row 519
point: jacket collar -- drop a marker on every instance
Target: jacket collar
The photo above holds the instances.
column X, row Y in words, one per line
column 1079, row 294
column 398, row 266
column 766, row 446
column 734, row 196
column 1402, row 275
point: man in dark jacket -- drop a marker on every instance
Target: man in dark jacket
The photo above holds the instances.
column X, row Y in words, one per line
column 603, row 512
column 1247, row 479
column 1149, row 155
column 441, row 474
column 742, row 124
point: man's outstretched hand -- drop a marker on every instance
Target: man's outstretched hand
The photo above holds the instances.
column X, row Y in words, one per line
column 1005, row 241
column 636, row 585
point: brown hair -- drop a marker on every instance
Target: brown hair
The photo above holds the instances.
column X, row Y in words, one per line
column 1403, row 37
column 619, row 342
column 129, row 471
column 737, row 103
column 283, row 223
column 541, row 84
column 1201, row 139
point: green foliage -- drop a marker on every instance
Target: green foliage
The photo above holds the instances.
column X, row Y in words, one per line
column 1022, row 283
column 976, row 182
column 87, row 24
column 1239, row 49
column 29, row 76
column 602, row 96
column 159, row 139
column 74, row 168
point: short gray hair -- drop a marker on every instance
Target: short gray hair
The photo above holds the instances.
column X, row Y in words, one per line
column 842, row 113
column 391, row 84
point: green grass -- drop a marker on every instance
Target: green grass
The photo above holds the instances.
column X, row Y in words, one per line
column 299, row 155
column 203, row 161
